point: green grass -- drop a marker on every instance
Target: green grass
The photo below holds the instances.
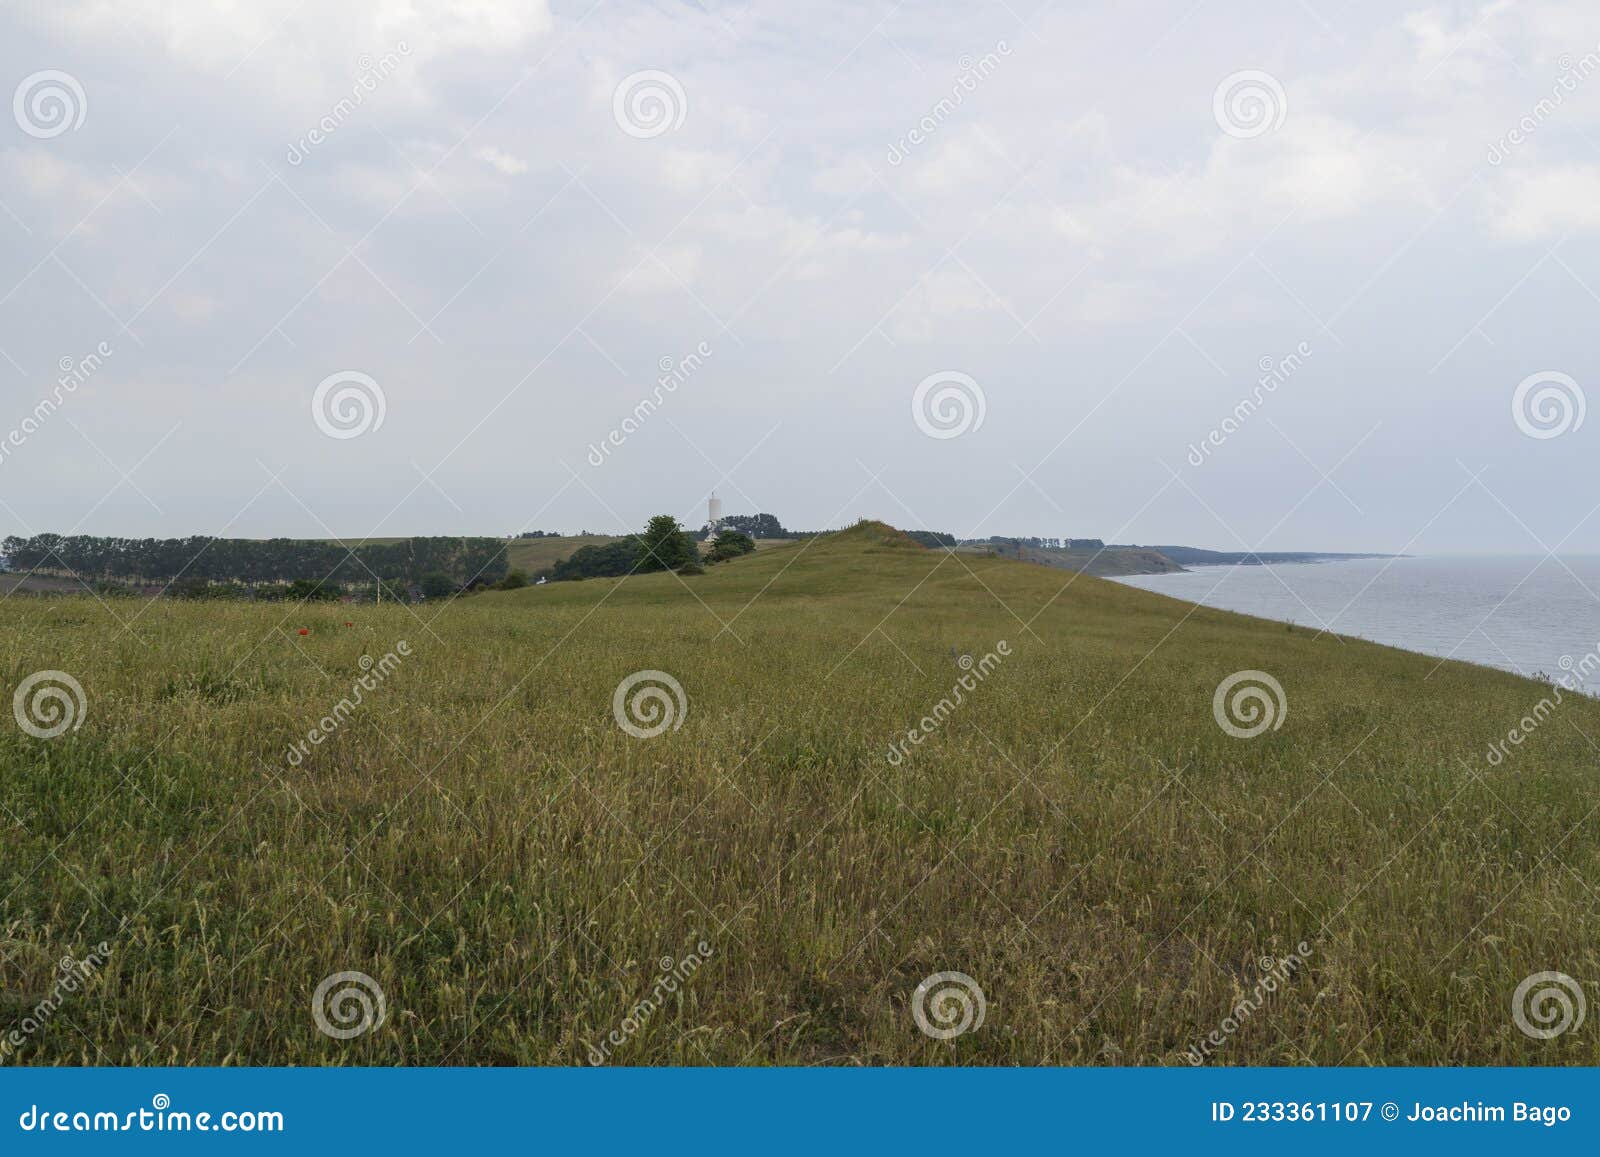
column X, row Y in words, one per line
column 535, row 554
column 1079, row 836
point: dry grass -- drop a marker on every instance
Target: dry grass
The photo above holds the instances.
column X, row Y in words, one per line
column 1079, row 836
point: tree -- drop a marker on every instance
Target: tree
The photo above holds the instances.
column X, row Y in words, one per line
column 514, row 580
column 730, row 544
column 607, row 561
column 666, row 546
column 756, row 525
column 437, row 585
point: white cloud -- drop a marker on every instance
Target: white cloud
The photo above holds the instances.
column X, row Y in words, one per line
column 501, row 162
column 486, row 182
column 1533, row 207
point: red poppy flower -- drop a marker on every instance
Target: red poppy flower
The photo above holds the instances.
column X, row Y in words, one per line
column 304, row 631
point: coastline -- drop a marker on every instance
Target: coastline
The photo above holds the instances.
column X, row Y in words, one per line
column 1490, row 612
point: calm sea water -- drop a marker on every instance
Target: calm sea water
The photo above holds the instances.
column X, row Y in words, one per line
column 1520, row 614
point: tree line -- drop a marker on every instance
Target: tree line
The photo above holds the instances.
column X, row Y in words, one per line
column 664, row 545
column 407, row 561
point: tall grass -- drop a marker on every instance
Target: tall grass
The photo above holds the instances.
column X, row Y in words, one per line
column 1079, row 836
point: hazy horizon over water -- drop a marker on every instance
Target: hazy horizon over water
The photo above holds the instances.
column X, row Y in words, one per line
column 1526, row 614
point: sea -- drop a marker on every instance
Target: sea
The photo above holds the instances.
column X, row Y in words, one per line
column 1534, row 615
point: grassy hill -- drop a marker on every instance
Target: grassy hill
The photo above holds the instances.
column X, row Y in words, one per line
column 520, row 875
column 535, row 554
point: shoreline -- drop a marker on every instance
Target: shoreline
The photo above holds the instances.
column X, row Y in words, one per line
column 1399, row 618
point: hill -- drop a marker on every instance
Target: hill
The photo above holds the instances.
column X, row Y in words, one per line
column 536, row 554
column 875, row 763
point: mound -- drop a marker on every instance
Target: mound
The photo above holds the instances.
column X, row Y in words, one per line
column 871, row 532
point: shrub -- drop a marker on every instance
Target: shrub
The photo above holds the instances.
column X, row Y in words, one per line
column 730, row 544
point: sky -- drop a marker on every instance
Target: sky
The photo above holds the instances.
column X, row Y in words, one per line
column 1281, row 275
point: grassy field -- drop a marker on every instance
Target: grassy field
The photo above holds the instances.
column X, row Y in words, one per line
column 534, row 554
column 520, row 876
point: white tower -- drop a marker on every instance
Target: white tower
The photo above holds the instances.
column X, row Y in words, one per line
column 714, row 511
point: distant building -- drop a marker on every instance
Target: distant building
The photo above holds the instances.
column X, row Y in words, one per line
column 714, row 513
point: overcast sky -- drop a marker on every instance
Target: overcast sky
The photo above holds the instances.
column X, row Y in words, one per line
column 1090, row 226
